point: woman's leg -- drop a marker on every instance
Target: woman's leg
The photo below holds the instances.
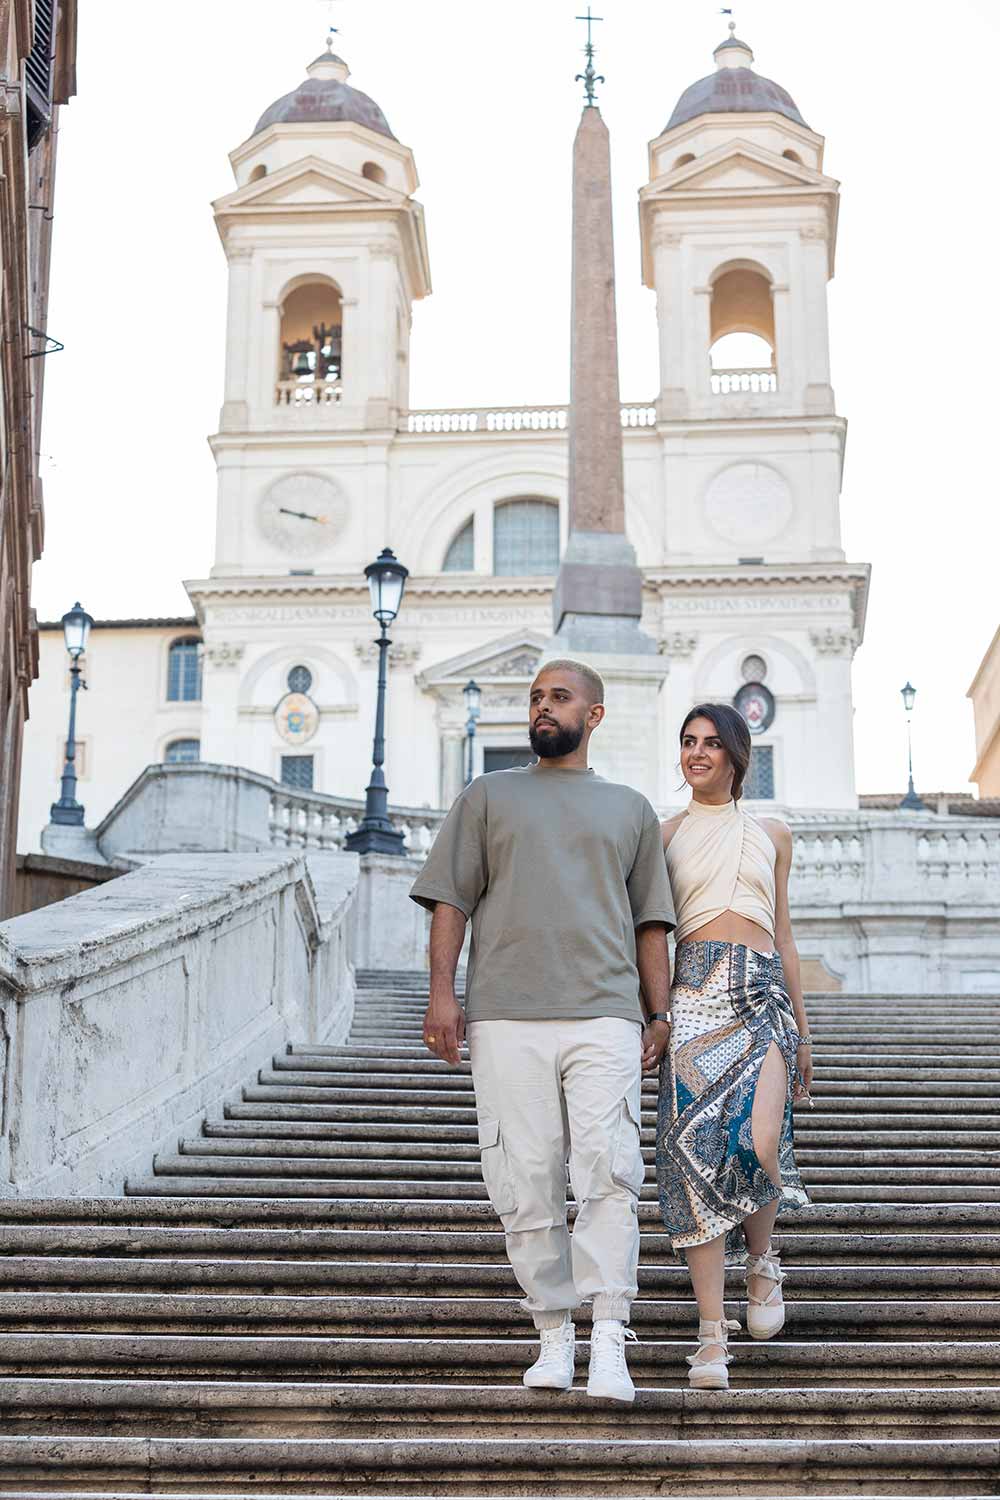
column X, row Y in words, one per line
column 766, row 1122
column 707, row 1265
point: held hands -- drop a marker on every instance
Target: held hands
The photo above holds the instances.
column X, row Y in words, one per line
column 654, row 1043
column 444, row 1028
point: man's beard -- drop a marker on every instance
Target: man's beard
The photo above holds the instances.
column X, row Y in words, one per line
column 561, row 741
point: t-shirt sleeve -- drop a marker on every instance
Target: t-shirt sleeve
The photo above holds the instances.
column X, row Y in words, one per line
column 648, row 886
column 456, row 870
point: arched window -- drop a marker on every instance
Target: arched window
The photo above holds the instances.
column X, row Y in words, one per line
column 182, row 752
column 742, row 332
column 312, row 329
column 258, row 172
column 525, row 538
column 460, row 557
column 300, row 680
column 373, row 172
column 682, row 161
column 792, row 156
column 184, row 670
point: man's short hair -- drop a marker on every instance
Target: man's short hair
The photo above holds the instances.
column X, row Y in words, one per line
column 593, row 680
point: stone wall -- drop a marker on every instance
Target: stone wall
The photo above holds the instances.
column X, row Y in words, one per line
column 130, row 1010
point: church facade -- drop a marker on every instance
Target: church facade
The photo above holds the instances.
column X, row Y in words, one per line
column 732, row 478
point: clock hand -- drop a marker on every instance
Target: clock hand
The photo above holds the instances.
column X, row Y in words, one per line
column 302, row 515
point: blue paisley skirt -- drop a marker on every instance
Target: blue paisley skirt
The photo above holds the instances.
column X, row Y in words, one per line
column 729, row 1004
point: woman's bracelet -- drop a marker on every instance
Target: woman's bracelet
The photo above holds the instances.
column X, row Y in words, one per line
column 805, row 1041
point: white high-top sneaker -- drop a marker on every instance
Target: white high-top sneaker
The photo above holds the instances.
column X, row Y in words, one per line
column 609, row 1376
column 553, row 1369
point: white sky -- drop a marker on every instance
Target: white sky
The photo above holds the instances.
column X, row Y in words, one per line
column 484, row 93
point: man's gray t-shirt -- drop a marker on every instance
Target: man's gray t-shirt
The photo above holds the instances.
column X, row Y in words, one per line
column 556, row 869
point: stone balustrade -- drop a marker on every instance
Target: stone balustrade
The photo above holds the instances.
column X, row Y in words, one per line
column 128, row 1011
column 314, row 820
column 511, row 419
column 307, row 394
column 743, row 382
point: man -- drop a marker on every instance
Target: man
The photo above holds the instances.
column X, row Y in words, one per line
column 563, row 876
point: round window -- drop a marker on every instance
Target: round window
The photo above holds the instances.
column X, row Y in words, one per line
column 299, row 680
column 754, row 669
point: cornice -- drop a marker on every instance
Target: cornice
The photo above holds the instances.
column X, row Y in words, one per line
column 478, row 587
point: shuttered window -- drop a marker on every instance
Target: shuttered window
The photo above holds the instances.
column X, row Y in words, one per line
column 38, row 71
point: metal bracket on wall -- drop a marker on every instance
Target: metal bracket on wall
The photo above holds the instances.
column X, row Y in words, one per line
column 54, row 345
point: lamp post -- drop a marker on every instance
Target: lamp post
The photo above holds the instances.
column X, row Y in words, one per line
column 375, row 833
column 472, row 693
column 76, row 625
column 911, row 801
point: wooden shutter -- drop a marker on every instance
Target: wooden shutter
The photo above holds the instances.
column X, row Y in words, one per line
column 38, row 71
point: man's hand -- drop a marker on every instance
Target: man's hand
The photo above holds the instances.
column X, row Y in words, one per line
column 654, row 1044
column 444, row 1028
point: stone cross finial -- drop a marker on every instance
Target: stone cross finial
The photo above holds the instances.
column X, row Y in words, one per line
column 589, row 78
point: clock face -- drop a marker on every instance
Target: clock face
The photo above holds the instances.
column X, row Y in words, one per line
column 302, row 514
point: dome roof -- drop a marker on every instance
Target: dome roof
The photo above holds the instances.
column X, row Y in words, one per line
column 323, row 97
column 734, row 88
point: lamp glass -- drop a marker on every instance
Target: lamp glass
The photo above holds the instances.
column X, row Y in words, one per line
column 473, row 695
column 76, row 625
column 386, row 581
column 908, row 694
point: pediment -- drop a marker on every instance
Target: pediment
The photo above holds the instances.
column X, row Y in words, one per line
column 510, row 659
column 310, row 181
column 740, row 167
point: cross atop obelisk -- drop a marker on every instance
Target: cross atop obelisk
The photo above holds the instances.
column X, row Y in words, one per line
column 588, row 77
column 598, row 595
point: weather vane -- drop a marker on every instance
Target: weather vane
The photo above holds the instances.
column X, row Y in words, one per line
column 588, row 77
column 331, row 30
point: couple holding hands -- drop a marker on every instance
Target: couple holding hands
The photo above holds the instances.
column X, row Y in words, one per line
column 572, row 884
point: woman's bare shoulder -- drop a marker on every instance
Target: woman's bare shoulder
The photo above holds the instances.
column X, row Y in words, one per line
column 670, row 826
column 778, row 832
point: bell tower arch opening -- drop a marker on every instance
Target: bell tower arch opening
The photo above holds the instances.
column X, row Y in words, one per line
column 312, row 336
column 741, row 330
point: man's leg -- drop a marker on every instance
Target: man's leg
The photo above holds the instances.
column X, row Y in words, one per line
column 602, row 1081
column 523, row 1140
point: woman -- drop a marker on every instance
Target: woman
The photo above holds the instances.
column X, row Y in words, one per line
column 739, row 1041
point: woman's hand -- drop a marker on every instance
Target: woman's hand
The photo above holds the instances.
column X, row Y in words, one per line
column 654, row 1044
column 803, row 1084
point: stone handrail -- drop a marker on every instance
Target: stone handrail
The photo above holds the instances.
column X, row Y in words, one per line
column 747, row 382
column 511, row 419
column 131, row 1009
column 315, row 820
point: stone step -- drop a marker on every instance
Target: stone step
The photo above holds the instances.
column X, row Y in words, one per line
column 460, row 1315
column 444, row 1176
column 506, row 1464
column 783, row 1363
column 428, row 1073
column 428, row 1277
column 273, row 1212
column 457, row 1246
column 847, row 1150
column 271, row 1408
column 809, row 1131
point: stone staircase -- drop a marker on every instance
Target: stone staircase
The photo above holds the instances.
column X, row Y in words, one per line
column 312, row 1298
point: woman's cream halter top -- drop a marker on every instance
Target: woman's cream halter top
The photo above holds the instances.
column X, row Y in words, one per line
column 720, row 859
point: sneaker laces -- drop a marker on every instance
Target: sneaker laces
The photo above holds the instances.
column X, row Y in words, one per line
column 552, row 1342
column 607, row 1347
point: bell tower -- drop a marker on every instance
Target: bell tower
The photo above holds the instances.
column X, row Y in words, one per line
column 327, row 253
column 739, row 227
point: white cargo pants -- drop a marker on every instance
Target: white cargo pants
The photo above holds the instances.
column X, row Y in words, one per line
column 545, row 1091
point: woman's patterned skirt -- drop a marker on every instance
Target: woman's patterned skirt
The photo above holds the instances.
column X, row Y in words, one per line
column 729, row 1004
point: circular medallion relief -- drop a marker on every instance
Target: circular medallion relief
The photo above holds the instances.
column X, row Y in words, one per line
column 302, row 514
column 296, row 718
column 748, row 504
column 757, row 706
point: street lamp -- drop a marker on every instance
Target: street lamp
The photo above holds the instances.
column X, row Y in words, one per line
column 76, row 625
column 375, row 833
column 473, row 695
column 911, row 801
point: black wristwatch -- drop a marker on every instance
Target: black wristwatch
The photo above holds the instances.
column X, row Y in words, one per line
column 659, row 1015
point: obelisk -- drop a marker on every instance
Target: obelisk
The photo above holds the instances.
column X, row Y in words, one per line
column 598, row 595
column 597, row 604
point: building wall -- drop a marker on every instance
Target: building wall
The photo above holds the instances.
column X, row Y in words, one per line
column 28, row 130
column 124, row 719
column 985, row 695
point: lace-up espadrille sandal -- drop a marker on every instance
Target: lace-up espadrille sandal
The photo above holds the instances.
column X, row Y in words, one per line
column 712, row 1374
column 765, row 1316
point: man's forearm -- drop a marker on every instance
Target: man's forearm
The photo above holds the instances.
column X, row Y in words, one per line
column 447, row 937
column 653, row 962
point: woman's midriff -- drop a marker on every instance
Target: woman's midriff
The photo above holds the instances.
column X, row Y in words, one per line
column 731, row 928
